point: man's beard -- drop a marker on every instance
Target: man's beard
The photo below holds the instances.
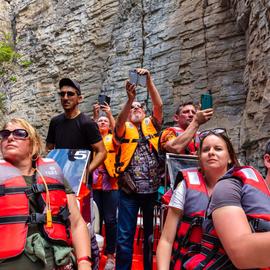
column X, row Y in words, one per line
column 136, row 118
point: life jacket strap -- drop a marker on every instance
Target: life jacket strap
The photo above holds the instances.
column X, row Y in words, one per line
column 220, row 260
column 35, row 218
column 11, row 190
column 143, row 139
column 193, row 221
column 64, row 214
column 39, row 188
column 33, row 189
column 183, row 242
column 259, row 225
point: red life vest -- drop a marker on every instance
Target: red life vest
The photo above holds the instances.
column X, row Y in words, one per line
column 191, row 148
column 189, row 232
column 255, row 200
column 14, row 210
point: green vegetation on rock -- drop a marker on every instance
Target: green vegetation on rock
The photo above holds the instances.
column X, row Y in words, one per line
column 10, row 62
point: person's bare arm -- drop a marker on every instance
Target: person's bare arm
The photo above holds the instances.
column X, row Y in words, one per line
column 123, row 115
column 164, row 248
column 245, row 249
column 154, row 94
column 99, row 157
column 107, row 109
column 178, row 144
column 96, row 108
column 80, row 235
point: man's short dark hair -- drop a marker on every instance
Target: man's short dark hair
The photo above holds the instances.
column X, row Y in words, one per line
column 267, row 148
column 181, row 105
column 72, row 83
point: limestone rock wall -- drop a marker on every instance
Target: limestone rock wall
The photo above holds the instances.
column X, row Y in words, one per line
column 254, row 18
column 189, row 46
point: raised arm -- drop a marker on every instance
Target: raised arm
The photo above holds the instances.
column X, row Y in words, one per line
column 154, row 94
column 123, row 115
column 96, row 109
column 107, row 109
column 178, row 144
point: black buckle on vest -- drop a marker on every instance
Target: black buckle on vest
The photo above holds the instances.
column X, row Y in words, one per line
column 35, row 188
column 38, row 188
column 196, row 221
column 64, row 213
column 259, row 225
column 2, row 190
column 37, row 218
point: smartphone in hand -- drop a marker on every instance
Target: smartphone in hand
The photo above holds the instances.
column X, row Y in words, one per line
column 102, row 99
column 142, row 80
column 206, row 100
column 133, row 77
column 137, row 79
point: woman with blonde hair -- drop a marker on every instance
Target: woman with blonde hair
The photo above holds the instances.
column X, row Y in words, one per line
column 40, row 223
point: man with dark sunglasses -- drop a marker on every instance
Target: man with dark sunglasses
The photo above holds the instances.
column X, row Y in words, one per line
column 137, row 163
column 75, row 130
column 183, row 138
column 266, row 159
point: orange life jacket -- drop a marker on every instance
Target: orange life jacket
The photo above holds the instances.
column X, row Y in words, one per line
column 111, row 155
column 14, row 210
column 129, row 142
column 255, row 200
column 189, row 232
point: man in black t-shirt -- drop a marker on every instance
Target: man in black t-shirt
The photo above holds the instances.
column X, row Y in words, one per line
column 73, row 129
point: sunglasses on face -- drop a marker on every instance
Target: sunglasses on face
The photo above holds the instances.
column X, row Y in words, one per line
column 16, row 133
column 215, row 131
column 137, row 106
column 68, row 93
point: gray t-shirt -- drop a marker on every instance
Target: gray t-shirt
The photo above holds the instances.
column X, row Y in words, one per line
column 227, row 192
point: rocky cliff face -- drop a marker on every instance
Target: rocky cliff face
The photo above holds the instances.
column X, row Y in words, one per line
column 189, row 46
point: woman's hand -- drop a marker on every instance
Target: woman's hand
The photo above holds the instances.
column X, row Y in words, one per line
column 131, row 91
column 105, row 108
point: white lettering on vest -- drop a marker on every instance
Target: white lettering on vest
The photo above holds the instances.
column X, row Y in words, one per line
column 249, row 173
column 193, row 178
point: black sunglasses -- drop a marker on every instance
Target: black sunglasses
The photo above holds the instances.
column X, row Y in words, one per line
column 215, row 131
column 16, row 133
column 68, row 93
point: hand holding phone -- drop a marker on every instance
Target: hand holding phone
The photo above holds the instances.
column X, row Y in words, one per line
column 137, row 79
column 206, row 100
column 133, row 77
column 103, row 99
